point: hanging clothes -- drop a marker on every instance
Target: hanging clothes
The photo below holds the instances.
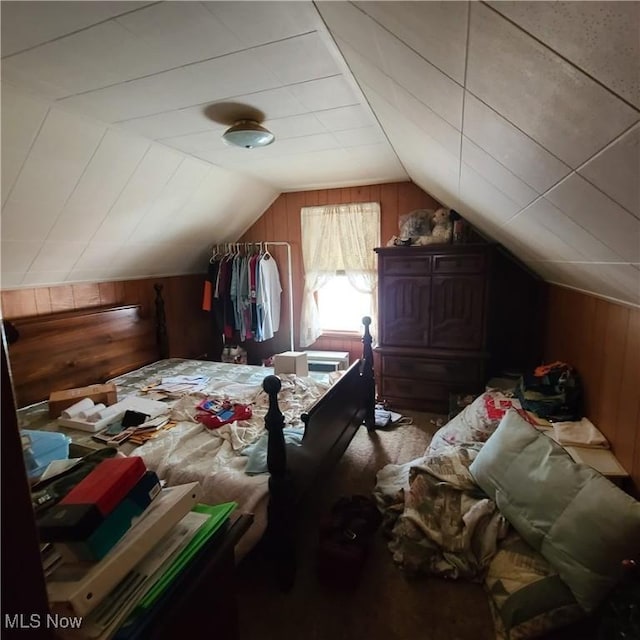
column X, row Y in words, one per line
column 243, row 295
column 268, row 295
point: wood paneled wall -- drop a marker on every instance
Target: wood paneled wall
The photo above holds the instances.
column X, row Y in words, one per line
column 602, row 341
column 188, row 326
column 281, row 222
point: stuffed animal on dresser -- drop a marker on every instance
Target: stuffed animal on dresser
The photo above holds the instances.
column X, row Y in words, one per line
column 442, row 228
column 415, row 223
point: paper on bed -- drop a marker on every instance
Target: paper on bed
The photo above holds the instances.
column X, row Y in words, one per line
column 152, row 408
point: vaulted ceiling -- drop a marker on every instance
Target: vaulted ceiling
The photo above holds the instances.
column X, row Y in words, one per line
column 522, row 116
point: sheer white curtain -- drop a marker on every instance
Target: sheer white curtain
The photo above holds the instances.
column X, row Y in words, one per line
column 337, row 238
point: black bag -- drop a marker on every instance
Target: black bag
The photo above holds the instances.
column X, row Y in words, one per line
column 552, row 391
column 345, row 536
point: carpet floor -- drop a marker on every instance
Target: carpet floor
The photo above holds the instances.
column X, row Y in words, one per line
column 386, row 605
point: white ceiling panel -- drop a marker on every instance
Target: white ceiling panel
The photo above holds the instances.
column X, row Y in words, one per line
column 295, row 126
column 397, row 97
column 145, row 185
column 600, row 215
column 536, row 229
column 539, row 92
column 43, row 278
column 327, row 93
column 299, row 59
column 87, row 60
column 57, row 256
column 401, row 64
column 22, row 117
column 18, row 256
column 97, row 256
column 522, row 155
column 342, row 118
column 580, row 243
column 173, row 34
column 481, row 195
column 497, row 174
column 437, row 31
column 615, row 170
column 257, row 23
column 601, row 38
column 102, row 182
column 21, row 31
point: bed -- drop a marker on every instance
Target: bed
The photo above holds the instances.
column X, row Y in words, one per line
column 122, row 344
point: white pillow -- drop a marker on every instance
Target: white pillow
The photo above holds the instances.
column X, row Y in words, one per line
column 577, row 519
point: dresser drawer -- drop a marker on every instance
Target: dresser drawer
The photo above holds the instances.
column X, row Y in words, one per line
column 445, row 371
column 418, row 390
column 411, row 265
column 459, row 263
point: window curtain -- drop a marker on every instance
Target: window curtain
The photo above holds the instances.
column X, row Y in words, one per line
column 337, row 238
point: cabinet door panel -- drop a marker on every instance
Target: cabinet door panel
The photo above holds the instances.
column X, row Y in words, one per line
column 404, row 314
column 457, row 312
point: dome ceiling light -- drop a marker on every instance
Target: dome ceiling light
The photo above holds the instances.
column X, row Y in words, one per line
column 248, row 134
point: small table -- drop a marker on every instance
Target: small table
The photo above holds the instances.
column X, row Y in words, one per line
column 327, row 360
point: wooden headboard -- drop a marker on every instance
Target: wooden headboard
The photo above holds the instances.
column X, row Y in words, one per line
column 77, row 348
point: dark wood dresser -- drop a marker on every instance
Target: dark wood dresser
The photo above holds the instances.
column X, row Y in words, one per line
column 441, row 308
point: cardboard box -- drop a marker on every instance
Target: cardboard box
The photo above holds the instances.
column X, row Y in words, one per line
column 291, row 362
column 60, row 400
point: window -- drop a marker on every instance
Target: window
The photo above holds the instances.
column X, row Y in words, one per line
column 341, row 306
column 340, row 274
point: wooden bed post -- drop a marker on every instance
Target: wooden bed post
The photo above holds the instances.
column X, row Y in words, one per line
column 280, row 514
column 368, row 378
column 161, row 324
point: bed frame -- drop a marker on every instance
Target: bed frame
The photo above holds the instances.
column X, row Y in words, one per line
column 73, row 349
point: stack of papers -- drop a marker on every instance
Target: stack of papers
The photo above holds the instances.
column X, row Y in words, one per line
column 180, row 385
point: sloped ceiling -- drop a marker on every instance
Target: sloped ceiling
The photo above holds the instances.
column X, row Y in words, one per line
column 523, row 116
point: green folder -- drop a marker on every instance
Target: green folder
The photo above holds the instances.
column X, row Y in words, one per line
column 218, row 514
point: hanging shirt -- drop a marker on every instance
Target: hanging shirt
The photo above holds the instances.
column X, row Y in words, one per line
column 269, row 292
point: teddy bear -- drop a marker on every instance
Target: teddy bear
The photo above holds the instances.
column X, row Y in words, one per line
column 441, row 228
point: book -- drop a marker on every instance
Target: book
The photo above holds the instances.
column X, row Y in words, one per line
column 108, row 484
column 78, row 588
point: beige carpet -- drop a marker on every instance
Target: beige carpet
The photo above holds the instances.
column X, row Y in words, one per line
column 386, row 605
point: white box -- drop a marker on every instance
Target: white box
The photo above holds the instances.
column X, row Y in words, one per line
column 291, row 362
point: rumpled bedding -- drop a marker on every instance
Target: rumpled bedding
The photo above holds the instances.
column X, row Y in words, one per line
column 439, row 522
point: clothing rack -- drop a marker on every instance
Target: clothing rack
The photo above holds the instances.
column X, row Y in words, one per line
column 266, row 244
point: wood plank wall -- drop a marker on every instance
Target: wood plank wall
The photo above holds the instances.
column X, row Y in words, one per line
column 187, row 325
column 601, row 340
column 281, row 221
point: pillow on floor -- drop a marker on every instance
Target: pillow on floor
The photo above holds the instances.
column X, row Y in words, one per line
column 578, row 520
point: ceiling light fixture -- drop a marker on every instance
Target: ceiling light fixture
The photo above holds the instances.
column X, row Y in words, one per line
column 248, row 134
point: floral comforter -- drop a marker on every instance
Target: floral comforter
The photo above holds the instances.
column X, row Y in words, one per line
column 438, row 521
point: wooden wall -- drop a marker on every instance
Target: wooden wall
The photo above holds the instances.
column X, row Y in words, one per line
column 602, row 341
column 187, row 324
column 281, row 221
